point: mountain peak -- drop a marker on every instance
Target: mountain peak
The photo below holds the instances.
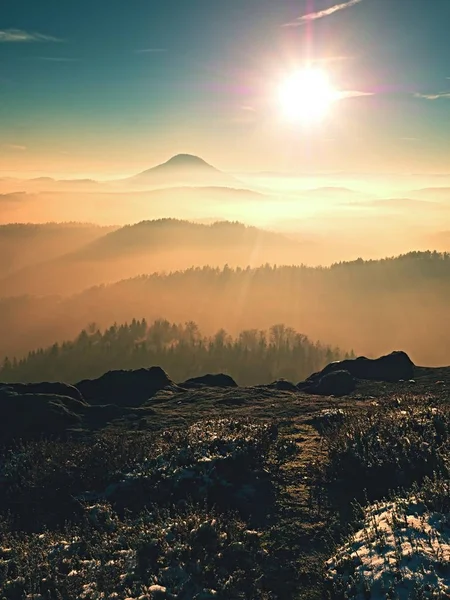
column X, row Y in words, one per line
column 184, row 162
column 180, row 163
column 185, row 170
column 187, row 160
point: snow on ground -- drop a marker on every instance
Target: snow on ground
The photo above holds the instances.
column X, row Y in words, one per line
column 401, row 552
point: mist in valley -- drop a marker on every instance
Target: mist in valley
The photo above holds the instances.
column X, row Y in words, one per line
column 330, row 217
column 185, row 241
column 368, row 307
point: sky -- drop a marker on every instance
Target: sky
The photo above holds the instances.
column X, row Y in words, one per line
column 110, row 87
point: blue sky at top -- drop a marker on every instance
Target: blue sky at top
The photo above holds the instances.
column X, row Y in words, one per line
column 98, row 78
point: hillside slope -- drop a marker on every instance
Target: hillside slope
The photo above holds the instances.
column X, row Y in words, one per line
column 372, row 307
column 150, row 246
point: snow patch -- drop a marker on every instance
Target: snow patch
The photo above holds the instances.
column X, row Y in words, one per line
column 402, row 551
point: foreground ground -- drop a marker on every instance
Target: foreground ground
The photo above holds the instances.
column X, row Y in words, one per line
column 227, row 493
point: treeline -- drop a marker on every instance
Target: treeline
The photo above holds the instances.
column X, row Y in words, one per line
column 253, row 357
column 373, row 307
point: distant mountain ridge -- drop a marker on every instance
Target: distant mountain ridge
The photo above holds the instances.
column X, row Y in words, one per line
column 112, row 254
column 149, row 235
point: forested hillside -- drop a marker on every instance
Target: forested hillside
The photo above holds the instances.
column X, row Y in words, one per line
column 373, row 307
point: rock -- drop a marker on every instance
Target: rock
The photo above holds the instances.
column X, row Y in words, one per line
column 210, row 380
column 391, row 368
column 30, row 415
column 284, row 386
column 45, row 387
column 125, row 388
column 157, row 592
column 336, row 383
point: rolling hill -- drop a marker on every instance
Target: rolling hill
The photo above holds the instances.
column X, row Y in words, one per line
column 24, row 245
column 150, row 246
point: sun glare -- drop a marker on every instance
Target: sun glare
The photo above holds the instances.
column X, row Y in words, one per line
column 307, row 95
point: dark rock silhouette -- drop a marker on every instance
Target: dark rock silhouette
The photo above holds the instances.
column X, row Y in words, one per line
column 45, row 387
column 210, row 380
column 55, row 409
column 29, row 415
column 390, row 368
column 125, row 388
column 283, row 386
column 335, row 383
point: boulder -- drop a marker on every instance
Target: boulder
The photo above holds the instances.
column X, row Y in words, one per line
column 283, row 386
column 124, row 388
column 45, row 387
column 33, row 415
column 390, row 368
column 210, row 380
column 336, row 383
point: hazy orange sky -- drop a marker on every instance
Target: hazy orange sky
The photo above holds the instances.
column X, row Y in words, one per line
column 111, row 91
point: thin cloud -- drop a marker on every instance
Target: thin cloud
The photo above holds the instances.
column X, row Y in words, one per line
column 321, row 13
column 18, row 35
column 248, row 108
column 433, row 96
column 151, row 50
column 354, row 94
column 15, row 147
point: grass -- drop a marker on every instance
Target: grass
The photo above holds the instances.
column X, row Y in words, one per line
column 233, row 503
column 401, row 549
column 390, row 445
column 172, row 515
column 393, row 459
column 40, row 479
column 191, row 553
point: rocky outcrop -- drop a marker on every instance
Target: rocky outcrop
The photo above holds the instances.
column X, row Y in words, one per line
column 283, row 386
column 125, row 388
column 335, row 383
column 45, row 387
column 390, row 368
column 28, row 415
column 210, row 380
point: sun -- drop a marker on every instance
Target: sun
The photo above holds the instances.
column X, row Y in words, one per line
column 307, row 95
